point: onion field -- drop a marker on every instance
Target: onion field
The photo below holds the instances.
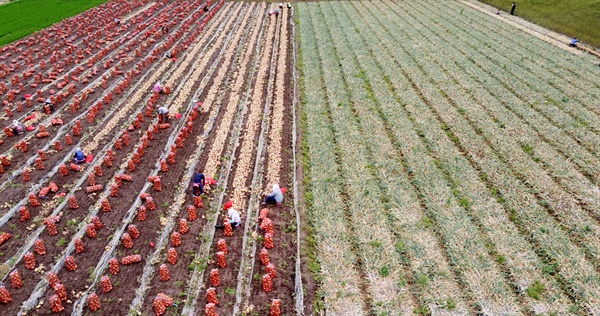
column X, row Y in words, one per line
column 452, row 162
column 122, row 233
column 436, row 160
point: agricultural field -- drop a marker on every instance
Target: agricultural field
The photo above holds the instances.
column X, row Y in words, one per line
column 436, row 160
column 122, row 233
column 451, row 162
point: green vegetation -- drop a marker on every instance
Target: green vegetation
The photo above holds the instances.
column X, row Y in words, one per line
column 384, row 271
column 535, row 290
column 575, row 18
column 61, row 242
column 229, row 291
column 199, row 264
column 21, row 18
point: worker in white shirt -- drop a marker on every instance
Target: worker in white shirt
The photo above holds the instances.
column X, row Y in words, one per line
column 234, row 218
column 163, row 115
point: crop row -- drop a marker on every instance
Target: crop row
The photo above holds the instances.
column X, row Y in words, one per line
column 65, row 113
column 277, row 169
column 340, row 278
column 502, row 237
column 172, row 178
column 577, row 78
column 249, row 146
column 223, row 66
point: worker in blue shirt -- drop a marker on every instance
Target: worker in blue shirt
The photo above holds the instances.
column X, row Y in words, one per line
column 79, row 156
column 199, row 181
column 574, row 42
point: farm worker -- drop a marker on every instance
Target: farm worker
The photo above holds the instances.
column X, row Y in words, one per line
column 281, row 5
column 205, row 9
column 163, row 114
column 18, row 128
column 117, row 21
column 199, row 181
column 164, row 29
column 158, row 87
column 233, row 214
column 276, row 12
column 48, row 106
column 275, row 197
column 79, row 157
column 498, row 12
column 512, row 8
column 574, row 42
column 289, row 5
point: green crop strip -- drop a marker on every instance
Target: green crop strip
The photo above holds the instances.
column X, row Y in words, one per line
column 576, row 18
column 24, row 17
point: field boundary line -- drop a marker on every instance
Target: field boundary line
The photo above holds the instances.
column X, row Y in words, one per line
column 299, row 289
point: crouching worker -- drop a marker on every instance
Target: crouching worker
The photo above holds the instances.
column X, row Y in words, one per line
column 574, row 42
column 158, row 88
column 48, row 106
column 18, row 128
column 163, row 115
column 275, row 197
column 234, row 216
column 79, row 157
column 198, row 185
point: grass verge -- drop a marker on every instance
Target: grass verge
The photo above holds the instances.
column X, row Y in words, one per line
column 575, row 18
column 24, row 17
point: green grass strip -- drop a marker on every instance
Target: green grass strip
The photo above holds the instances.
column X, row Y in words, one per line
column 24, row 17
column 576, row 18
